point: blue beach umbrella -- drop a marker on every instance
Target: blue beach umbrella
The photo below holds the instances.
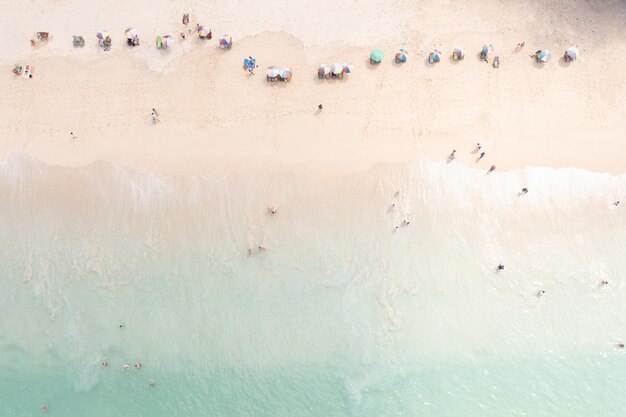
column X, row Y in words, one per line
column 487, row 49
column 544, row 56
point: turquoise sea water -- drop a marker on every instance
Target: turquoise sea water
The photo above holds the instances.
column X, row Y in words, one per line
column 343, row 314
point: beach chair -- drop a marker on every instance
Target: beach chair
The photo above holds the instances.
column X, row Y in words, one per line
column 78, row 41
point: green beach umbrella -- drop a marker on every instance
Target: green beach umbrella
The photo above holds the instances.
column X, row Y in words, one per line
column 377, row 55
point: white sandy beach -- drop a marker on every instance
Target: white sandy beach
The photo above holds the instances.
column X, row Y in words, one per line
column 217, row 119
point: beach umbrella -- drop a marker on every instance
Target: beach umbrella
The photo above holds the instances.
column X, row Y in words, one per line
column 323, row 69
column 434, row 56
column 458, row 54
column 272, row 71
column 376, row 55
column 402, row 55
column 131, row 33
column 102, row 35
column 336, row 68
column 487, row 48
column 347, row 68
column 571, row 53
column 249, row 62
column 203, row 31
column 544, row 56
column 225, row 41
column 285, row 73
column 164, row 41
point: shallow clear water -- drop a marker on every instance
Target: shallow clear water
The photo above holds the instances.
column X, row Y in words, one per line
column 341, row 315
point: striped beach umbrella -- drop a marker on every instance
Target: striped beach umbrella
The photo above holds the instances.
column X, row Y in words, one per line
column 285, row 73
column 102, row 35
column 434, row 56
column 131, row 33
column 336, row 68
column 323, row 70
column 226, row 41
column 571, row 53
column 376, row 55
column 347, row 68
column 402, row 55
column 544, row 56
column 203, row 31
column 458, row 54
column 272, row 71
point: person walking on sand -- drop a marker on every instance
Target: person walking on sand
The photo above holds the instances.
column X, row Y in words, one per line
column 320, row 108
column 478, row 147
column 540, row 293
column 74, row 137
column 452, row 155
column 481, row 155
column 493, row 168
column 616, row 203
column 155, row 116
column 524, row 190
column 500, row 267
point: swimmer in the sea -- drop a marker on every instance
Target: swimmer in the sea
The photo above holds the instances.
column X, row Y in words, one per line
column 125, row 367
column 620, row 345
column 44, row 408
column 105, row 364
column 138, row 365
column 150, row 383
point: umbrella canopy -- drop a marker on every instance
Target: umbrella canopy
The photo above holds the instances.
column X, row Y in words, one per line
column 402, row 55
column 102, row 35
column 336, row 68
column 203, row 31
column 377, row 55
column 225, row 41
column 434, row 56
column 323, row 69
column 347, row 68
column 458, row 54
column 131, row 33
column 272, row 71
column 571, row 53
column 487, row 48
column 164, row 41
column 285, row 73
column 249, row 62
column 544, row 56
